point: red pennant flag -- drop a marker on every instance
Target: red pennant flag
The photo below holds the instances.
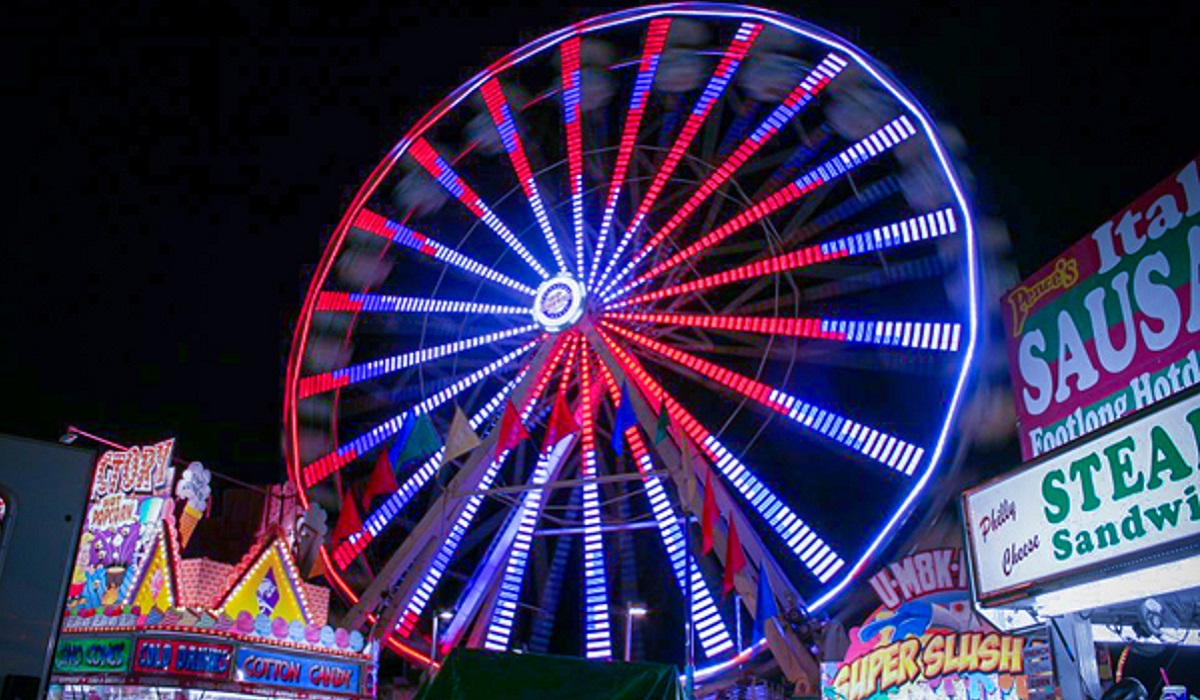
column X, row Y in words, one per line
column 512, row 430
column 708, row 516
column 382, row 481
column 349, row 520
column 735, row 560
column 562, row 422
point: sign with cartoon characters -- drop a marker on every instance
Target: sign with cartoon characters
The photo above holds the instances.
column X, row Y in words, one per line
column 925, row 642
column 130, row 493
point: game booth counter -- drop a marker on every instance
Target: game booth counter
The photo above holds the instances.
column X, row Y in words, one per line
column 141, row 620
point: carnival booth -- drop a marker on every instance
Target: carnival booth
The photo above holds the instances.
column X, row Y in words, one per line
column 923, row 640
column 141, row 619
column 1097, row 539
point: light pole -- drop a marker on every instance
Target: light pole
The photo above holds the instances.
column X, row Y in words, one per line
column 631, row 611
column 442, row 616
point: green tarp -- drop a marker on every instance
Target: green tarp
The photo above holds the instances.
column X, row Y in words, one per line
column 470, row 674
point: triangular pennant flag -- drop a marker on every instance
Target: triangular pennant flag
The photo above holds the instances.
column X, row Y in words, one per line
column 562, row 422
column 708, row 516
column 407, row 423
column 764, row 606
column 512, row 430
column 349, row 520
column 734, row 559
column 382, row 481
column 461, row 439
column 422, row 442
column 663, row 428
column 625, row 420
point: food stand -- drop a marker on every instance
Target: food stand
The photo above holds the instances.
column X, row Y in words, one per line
column 1096, row 538
column 141, row 620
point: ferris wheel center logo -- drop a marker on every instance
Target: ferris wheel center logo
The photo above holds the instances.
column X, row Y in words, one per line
column 558, row 303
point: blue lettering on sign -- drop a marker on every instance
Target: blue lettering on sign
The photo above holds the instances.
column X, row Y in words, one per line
column 187, row 658
column 271, row 668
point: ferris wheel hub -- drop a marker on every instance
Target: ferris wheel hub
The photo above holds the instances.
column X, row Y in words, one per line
column 559, row 303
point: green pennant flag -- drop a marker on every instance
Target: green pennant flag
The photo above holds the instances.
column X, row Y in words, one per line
column 422, row 442
column 662, row 430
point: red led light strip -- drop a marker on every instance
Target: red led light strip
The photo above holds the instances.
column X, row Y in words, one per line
column 810, row 87
column 721, row 78
column 656, row 40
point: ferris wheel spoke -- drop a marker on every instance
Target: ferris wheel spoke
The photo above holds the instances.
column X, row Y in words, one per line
column 870, row 442
column 710, row 626
column 370, row 222
column 656, row 41
column 597, row 627
column 902, row 334
column 747, row 33
column 386, row 513
column 414, row 595
column 792, row 105
column 388, row 303
column 510, row 138
column 573, row 132
column 338, row 378
column 871, row 146
column 819, row 558
column 911, row 231
column 441, row 171
column 507, row 596
column 324, row 466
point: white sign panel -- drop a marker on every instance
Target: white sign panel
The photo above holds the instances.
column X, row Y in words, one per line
column 1130, row 490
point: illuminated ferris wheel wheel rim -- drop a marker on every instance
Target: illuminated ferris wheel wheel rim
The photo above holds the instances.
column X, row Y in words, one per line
column 558, row 302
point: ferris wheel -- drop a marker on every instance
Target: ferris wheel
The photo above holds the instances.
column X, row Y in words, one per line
column 670, row 255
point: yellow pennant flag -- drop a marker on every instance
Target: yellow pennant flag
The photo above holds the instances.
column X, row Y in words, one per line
column 461, row 439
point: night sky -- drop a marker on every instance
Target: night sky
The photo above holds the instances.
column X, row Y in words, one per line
column 175, row 176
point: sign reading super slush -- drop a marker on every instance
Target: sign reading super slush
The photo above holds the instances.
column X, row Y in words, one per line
column 1129, row 490
column 1112, row 325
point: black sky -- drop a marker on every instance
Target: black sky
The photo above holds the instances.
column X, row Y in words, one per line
column 172, row 174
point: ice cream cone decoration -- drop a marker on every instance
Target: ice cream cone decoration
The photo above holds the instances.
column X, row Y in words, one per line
column 187, row 523
column 193, row 489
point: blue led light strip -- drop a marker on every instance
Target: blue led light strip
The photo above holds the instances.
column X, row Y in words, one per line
column 510, row 138
column 441, row 171
column 656, row 39
column 387, row 303
column 909, row 231
column 711, row 628
column 597, row 633
column 376, row 368
column 382, row 516
column 437, row 568
column 722, row 76
column 402, row 235
column 800, row 97
column 804, row 542
column 869, row 147
column 504, row 613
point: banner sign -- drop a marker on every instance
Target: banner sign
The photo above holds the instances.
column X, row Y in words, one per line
column 1112, row 325
column 93, row 655
column 297, row 672
column 1131, row 489
column 925, row 640
column 130, row 490
column 178, row 657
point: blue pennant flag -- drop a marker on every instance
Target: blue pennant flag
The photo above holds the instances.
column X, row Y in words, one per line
column 764, row 607
column 625, row 420
column 407, row 422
